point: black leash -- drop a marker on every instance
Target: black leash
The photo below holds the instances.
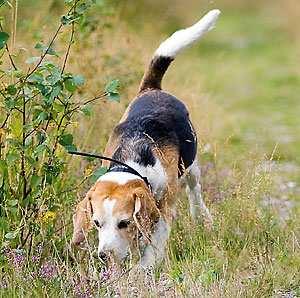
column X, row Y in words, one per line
column 131, row 170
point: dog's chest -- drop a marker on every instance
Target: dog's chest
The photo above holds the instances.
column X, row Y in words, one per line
column 155, row 174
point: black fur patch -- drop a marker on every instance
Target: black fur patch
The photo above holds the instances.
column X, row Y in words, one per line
column 156, row 118
column 137, row 149
column 156, row 70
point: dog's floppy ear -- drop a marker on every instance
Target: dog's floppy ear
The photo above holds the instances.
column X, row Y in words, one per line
column 146, row 213
column 82, row 219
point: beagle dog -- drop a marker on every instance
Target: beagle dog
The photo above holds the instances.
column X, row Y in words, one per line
column 133, row 207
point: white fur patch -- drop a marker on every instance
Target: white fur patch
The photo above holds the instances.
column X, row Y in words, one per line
column 155, row 251
column 156, row 176
column 110, row 239
column 185, row 37
column 119, row 177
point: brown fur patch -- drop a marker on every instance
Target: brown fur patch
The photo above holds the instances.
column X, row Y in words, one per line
column 125, row 196
column 169, row 157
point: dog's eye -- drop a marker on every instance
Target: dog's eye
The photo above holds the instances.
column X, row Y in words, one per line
column 123, row 224
column 97, row 223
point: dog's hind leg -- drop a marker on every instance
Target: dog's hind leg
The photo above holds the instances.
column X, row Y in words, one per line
column 198, row 208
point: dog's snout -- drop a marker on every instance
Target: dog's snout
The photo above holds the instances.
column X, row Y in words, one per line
column 102, row 256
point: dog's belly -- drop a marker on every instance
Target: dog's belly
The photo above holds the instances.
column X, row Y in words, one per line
column 165, row 120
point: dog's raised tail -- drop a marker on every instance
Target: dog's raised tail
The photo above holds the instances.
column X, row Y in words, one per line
column 172, row 46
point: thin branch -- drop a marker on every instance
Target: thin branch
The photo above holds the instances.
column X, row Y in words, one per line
column 88, row 102
column 69, row 46
column 9, row 54
column 45, row 52
column 33, row 130
column 23, row 173
column 50, row 44
column 75, row 187
column 5, row 121
column 10, row 58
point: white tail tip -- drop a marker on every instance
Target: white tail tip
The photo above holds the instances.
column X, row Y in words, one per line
column 185, row 37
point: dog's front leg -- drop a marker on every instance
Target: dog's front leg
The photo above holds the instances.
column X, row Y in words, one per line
column 155, row 251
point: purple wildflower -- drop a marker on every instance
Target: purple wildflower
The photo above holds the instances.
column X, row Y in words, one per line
column 48, row 271
column 35, row 258
column 38, row 253
column 107, row 273
column 82, row 289
column 16, row 258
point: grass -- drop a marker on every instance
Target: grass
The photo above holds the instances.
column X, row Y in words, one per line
column 241, row 85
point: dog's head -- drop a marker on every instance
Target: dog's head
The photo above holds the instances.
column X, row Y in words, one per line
column 121, row 213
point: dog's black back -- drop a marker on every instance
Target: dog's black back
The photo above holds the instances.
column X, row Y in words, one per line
column 157, row 118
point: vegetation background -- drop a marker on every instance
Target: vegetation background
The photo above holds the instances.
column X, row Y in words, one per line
column 241, row 84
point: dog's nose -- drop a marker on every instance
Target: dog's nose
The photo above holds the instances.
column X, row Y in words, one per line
column 102, row 256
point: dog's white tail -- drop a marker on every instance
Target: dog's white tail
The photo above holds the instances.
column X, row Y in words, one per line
column 172, row 46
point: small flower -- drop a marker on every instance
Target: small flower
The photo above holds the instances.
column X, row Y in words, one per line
column 107, row 273
column 82, row 289
column 88, row 170
column 16, row 258
column 48, row 217
column 48, row 271
column 35, row 258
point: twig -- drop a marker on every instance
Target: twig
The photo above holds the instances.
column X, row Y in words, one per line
column 69, row 45
column 88, row 101
column 33, row 130
column 5, row 121
column 50, row 44
column 23, row 173
column 8, row 52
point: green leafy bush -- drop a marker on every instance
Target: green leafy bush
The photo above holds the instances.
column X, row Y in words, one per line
column 38, row 106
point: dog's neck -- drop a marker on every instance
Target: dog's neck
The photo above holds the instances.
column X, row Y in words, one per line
column 138, row 155
column 130, row 170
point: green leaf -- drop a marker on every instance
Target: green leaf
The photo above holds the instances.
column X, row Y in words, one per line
column 112, row 88
column 39, row 46
column 80, row 9
column 69, row 19
column 42, row 116
column 55, row 91
column 12, row 157
column 87, row 110
column 40, row 149
column 41, row 136
column 71, row 147
column 45, row 90
column 114, row 96
column 58, row 107
column 36, row 77
column 98, row 173
column 3, row 171
column 53, row 78
column 44, row 49
column 10, row 103
column 70, row 85
column 11, row 235
column 3, row 39
column 2, row 2
column 13, row 203
column 35, row 181
column 11, row 89
column 66, row 139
